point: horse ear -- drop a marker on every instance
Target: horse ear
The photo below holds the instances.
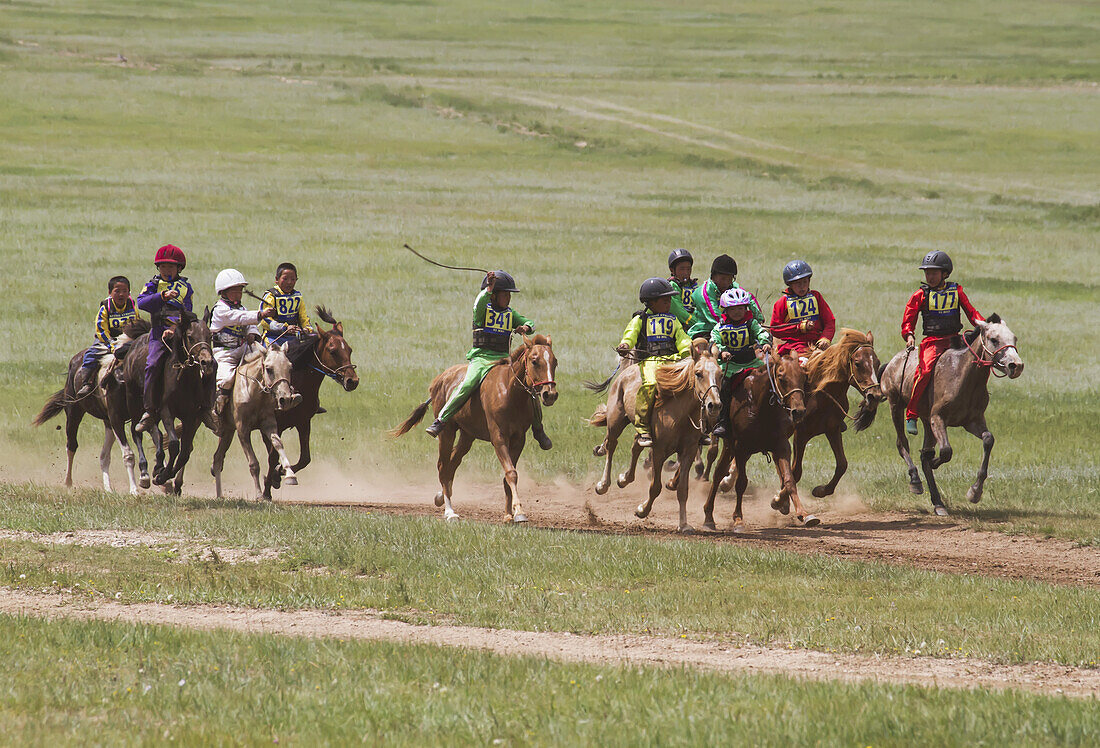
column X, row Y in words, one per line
column 206, row 315
column 993, row 319
column 870, row 337
column 338, row 328
column 549, row 342
column 698, row 347
column 274, row 347
column 526, row 340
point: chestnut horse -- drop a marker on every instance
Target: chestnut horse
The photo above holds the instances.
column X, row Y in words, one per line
column 500, row 412
column 850, row 362
column 687, row 391
column 763, row 414
column 957, row 395
column 328, row 356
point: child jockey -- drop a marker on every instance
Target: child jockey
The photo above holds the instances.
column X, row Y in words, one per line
column 705, row 298
column 235, row 332
column 800, row 317
column 680, row 263
column 735, row 342
column 938, row 302
column 290, row 315
column 115, row 312
column 494, row 322
column 657, row 335
column 164, row 297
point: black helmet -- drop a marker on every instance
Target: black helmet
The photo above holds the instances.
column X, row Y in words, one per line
column 796, row 270
column 937, row 260
column 655, row 288
column 724, row 264
column 505, row 282
column 678, row 256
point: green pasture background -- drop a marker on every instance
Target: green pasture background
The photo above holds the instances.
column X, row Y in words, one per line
column 574, row 144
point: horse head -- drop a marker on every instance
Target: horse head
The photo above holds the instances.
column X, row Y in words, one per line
column 540, row 365
column 276, row 378
column 708, row 379
column 999, row 343
column 789, row 383
column 193, row 340
column 334, row 353
column 864, row 370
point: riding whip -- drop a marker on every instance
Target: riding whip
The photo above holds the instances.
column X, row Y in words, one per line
column 440, row 264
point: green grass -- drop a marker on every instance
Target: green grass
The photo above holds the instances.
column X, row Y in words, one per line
column 424, row 570
column 331, row 133
column 123, row 683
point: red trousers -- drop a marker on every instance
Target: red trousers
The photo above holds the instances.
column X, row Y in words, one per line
column 930, row 350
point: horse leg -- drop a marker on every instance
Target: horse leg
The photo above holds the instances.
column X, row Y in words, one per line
column 73, row 416
column 165, row 473
column 105, row 456
column 128, row 458
column 722, row 466
column 790, row 487
column 799, row 442
column 304, row 456
column 625, row 479
column 740, row 484
column 224, row 440
column 978, row 428
column 462, row 444
column 187, row 445
column 674, row 482
column 836, row 441
column 515, row 448
column 142, row 462
column 274, row 478
column 657, row 454
column 689, row 448
column 442, row 464
column 897, row 415
column 511, row 495
column 610, row 443
column 245, row 438
column 712, row 455
column 927, row 455
column 274, row 444
column 939, row 430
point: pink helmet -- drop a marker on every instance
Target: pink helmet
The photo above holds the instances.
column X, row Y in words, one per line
column 735, row 297
column 171, row 253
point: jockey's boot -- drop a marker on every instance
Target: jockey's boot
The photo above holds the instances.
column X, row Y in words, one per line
column 722, row 429
column 319, row 411
column 147, row 423
column 540, row 436
column 911, row 426
column 209, row 421
column 643, row 439
column 436, row 428
column 84, row 381
column 217, row 413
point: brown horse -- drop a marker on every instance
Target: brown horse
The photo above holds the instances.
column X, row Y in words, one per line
column 957, row 395
column 188, row 378
column 763, row 414
column 687, row 391
column 850, row 362
column 328, row 356
column 501, row 412
column 98, row 405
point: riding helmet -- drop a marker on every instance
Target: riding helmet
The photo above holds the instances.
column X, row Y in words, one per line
column 678, row 256
column 505, row 282
column 735, row 297
column 655, row 288
column 229, row 278
column 937, row 260
column 170, row 253
column 796, row 270
column 725, row 265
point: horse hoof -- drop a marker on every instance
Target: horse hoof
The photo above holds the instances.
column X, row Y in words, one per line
column 739, row 527
column 686, row 530
column 710, row 526
column 439, row 499
column 622, row 482
column 974, row 495
column 145, row 482
column 517, row 519
column 941, row 511
column 450, row 516
column 725, row 485
column 599, row 450
column 276, row 481
column 291, row 480
column 820, row 492
column 916, row 488
column 601, row 488
column 809, row 521
column 671, row 484
column 783, row 506
column 699, row 472
column 640, row 512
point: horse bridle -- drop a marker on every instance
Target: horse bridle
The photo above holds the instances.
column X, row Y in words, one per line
column 991, row 363
column 192, row 360
column 774, row 386
column 852, row 370
column 328, row 371
column 267, row 389
column 532, row 389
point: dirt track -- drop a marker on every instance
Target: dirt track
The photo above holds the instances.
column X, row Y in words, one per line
column 631, row 650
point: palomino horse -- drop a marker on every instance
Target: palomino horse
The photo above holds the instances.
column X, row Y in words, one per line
column 687, row 391
column 97, row 405
column 188, row 382
column 763, row 414
column 957, row 395
column 850, row 362
column 261, row 387
column 328, row 356
column 500, row 412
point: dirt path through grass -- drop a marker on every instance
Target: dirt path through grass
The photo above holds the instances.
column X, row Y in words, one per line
column 630, row 650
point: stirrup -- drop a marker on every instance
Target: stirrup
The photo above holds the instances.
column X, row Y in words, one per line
column 643, row 439
column 436, row 428
column 911, row 426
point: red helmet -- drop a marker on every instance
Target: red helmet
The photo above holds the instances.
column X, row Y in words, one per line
column 170, row 253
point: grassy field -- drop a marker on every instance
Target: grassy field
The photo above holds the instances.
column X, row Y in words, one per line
column 148, row 684
column 574, row 145
column 422, row 570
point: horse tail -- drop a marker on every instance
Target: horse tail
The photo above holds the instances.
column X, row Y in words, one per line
column 414, row 418
column 601, row 386
column 599, row 418
column 865, row 416
column 53, row 406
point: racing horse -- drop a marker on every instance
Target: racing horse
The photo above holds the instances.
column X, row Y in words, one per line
column 326, row 354
column 764, row 411
column 187, row 386
column 500, row 412
column 261, row 388
column 957, row 395
column 687, row 391
column 850, row 362
column 98, row 405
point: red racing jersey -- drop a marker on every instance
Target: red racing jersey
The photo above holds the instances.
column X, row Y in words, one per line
column 940, row 310
column 790, row 312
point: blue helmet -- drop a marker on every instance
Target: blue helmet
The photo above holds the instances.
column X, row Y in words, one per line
column 796, row 270
column 678, row 256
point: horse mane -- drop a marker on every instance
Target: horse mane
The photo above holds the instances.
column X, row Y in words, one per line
column 136, row 327
column 675, row 378
column 517, row 354
column 831, row 365
column 326, row 316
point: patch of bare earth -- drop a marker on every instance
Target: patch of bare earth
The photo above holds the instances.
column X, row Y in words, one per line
column 181, row 549
column 629, row 650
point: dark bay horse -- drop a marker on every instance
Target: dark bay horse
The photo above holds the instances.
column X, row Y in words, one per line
column 957, row 395
column 500, row 412
column 763, row 414
column 188, row 387
column 99, row 404
column 850, row 362
column 329, row 356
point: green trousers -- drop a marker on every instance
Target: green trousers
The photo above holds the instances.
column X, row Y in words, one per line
column 477, row 367
column 647, row 393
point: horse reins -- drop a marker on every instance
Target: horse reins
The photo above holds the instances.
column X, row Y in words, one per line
column 532, row 389
column 982, row 363
column 191, row 360
column 774, row 386
column 851, row 380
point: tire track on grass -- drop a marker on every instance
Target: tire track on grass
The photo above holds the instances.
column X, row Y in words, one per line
column 720, row 657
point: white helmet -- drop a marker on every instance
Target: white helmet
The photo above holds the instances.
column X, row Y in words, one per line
column 735, row 297
column 229, row 278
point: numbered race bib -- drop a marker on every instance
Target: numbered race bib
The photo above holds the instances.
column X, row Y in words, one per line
column 799, row 308
column 117, row 320
column 287, row 306
column 685, row 299
column 660, row 328
column 946, row 300
column 498, row 322
column 734, row 338
column 178, row 286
